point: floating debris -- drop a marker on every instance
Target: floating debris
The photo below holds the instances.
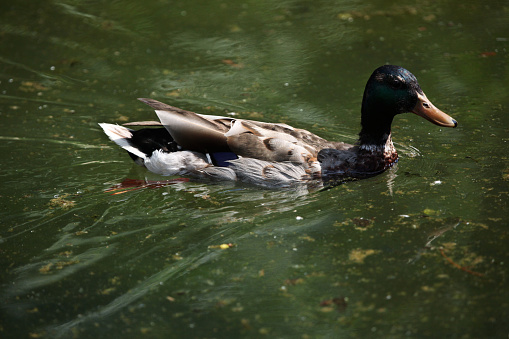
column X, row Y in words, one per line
column 358, row 255
column 222, row 246
column 340, row 302
column 60, row 201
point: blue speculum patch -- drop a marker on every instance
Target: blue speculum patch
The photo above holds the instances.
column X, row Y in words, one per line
column 221, row 158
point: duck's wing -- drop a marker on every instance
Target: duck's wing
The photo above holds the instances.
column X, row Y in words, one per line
column 275, row 142
column 190, row 130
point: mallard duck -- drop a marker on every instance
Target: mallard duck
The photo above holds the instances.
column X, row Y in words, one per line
column 276, row 154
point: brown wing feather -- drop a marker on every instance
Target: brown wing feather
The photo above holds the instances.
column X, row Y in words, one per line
column 190, row 130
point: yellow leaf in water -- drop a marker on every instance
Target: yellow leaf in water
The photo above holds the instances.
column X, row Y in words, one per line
column 222, row 246
column 45, row 269
column 108, row 290
column 327, row 309
column 358, row 255
column 429, row 211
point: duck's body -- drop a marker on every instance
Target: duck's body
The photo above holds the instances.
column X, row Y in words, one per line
column 274, row 154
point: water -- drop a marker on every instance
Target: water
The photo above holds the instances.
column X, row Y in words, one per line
column 419, row 251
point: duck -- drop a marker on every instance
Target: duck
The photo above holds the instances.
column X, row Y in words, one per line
column 276, row 155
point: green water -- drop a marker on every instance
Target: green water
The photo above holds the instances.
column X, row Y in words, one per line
column 419, row 251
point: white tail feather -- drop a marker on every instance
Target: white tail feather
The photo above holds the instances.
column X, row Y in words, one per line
column 121, row 135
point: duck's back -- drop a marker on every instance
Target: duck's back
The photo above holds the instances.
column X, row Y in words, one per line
column 276, row 142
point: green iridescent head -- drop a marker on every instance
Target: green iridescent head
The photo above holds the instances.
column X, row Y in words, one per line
column 392, row 90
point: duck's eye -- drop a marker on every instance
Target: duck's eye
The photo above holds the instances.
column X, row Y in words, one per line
column 396, row 83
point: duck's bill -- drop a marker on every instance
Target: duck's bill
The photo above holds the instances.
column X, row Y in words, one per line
column 428, row 111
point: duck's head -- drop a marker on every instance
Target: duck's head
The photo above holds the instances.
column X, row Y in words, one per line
column 392, row 90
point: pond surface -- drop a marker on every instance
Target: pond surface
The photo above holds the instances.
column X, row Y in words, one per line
column 419, row 251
